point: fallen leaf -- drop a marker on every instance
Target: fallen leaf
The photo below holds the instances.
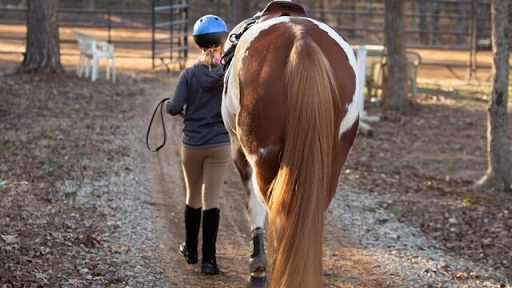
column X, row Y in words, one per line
column 10, row 239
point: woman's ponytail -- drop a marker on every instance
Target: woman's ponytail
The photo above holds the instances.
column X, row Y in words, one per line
column 207, row 57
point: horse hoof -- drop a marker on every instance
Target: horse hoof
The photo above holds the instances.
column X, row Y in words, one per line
column 256, row 281
column 257, row 264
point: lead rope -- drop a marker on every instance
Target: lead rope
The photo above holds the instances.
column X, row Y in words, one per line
column 161, row 105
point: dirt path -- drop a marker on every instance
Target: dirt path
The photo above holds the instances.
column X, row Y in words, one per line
column 344, row 265
column 93, row 208
column 84, row 204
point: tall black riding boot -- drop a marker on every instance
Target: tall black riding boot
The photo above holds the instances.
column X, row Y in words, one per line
column 210, row 228
column 192, row 225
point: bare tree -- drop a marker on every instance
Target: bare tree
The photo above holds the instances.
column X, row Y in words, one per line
column 498, row 173
column 395, row 87
column 42, row 52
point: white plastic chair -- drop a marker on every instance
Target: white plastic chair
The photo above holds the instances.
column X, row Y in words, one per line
column 92, row 49
column 85, row 48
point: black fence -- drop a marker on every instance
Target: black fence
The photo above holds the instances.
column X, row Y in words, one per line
column 103, row 19
column 431, row 24
column 435, row 24
column 166, row 22
column 172, row 17
column 438, row 24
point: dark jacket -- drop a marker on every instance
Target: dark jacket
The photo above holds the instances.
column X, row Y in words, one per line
column 199, row 93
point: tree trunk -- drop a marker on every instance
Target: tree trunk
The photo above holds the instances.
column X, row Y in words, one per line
column 498, row 173
column 395, row 86
column 42, row 52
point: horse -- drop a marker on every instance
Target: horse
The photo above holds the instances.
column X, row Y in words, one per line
column 290, row 107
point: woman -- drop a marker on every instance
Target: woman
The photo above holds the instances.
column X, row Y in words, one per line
column 205, row 153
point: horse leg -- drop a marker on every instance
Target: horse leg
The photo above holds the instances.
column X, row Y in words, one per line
column 256, row 214
column 264, row 165
column 256, row 211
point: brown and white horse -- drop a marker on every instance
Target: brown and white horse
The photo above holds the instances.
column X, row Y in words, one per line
column 289, row 105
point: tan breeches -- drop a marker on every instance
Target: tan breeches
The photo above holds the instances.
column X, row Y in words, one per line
column 204, row 171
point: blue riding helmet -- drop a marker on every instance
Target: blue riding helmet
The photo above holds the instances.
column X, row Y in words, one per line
column 210, row 31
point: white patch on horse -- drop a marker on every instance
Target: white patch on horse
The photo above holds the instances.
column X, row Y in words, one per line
column 257, row 208
column 350, row 118
column 230, row 102
column 262, row 152
column 352, row 109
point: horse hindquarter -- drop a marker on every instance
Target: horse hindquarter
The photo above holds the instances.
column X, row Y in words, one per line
column 295, row 84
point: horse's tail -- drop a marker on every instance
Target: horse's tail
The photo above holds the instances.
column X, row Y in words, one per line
column 299, row 192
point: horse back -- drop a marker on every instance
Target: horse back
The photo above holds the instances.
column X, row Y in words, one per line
column 266, row 56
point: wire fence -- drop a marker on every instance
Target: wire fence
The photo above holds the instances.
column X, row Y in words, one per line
column 448, row 24
column 431, row 24
column 434, row 24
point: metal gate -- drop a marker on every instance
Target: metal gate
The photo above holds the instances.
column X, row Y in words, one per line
column 169, row 33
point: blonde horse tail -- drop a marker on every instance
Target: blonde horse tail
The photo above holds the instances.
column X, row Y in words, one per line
column 298, row 194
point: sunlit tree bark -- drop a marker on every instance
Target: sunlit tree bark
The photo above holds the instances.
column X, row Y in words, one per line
column 498, row 172
column 395, row 87
column 42, row 52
